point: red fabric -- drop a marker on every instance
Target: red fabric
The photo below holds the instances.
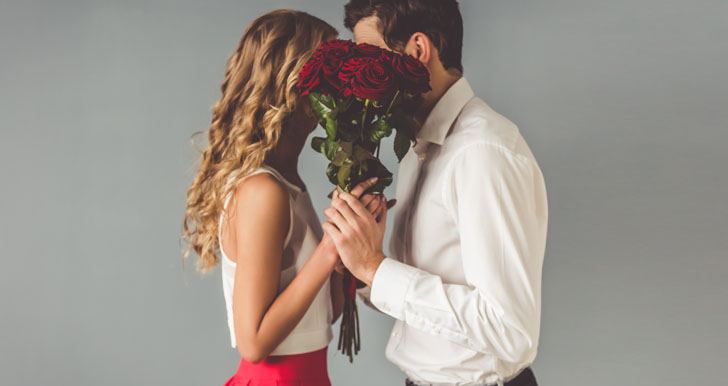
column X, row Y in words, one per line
column 307, row 369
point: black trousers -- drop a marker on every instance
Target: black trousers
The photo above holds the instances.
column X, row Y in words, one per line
column 524, row 378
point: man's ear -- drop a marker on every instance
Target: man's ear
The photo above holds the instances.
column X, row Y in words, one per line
column 420, row 47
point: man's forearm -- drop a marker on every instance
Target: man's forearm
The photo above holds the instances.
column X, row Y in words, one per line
column 461, row 314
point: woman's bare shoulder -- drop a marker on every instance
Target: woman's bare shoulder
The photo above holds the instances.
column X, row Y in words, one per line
column 262, row 200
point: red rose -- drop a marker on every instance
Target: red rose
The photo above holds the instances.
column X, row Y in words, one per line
column 370, row 51
column 334, row 54
column 348, row 70
column 367, row 78
column 414, row 77
column 309, row 78
column 335, row 45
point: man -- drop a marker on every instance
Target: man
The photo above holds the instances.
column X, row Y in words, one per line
column 463, row 279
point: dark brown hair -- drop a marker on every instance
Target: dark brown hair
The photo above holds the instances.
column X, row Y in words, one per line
column 440, row 20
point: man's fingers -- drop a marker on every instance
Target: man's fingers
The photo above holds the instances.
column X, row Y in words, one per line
column 363, row 186
column 335, row 217
column 331, row 230
column 344, row 208
column 355, row 205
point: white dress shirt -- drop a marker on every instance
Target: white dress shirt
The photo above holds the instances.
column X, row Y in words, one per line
column 463, row 280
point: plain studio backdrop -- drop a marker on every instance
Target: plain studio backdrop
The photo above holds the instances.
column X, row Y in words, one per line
column 624, row 103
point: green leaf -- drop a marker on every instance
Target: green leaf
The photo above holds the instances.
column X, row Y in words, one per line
column 322, row 106
column 327, row 100
column 361, row 154
column 340, row 158
column 402, row 121
column 332, row 172
column 345, row 103
column 329, row 148
column 401, row 145
column 347, row 146
column 316, row 143
column 343, row 153
column 380, row 129
column 343, row 175
column 406, row 130
column 374, row 167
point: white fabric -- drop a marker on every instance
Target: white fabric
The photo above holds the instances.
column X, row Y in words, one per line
column 464, row 276
column 314, row 330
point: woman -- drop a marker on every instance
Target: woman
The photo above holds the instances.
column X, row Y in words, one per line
column 248, row 201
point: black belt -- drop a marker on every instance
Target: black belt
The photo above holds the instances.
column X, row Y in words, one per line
column 524, row 378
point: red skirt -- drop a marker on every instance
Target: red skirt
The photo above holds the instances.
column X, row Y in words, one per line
column 307, row 369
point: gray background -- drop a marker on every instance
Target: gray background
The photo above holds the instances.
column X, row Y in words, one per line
column 623, row 102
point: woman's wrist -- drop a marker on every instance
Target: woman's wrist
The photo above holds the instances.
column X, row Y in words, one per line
column 327, row 252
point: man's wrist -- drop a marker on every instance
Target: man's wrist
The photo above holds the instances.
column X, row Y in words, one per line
column 368, row 271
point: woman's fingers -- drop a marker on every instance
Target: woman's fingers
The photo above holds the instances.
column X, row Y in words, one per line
column 391, row 203
column 383, row 216
column 374, row 205
column 368, row 199
column 360, row 188
column 378, row 212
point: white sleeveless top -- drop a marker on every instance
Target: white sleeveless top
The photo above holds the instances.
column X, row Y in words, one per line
column 313, row 331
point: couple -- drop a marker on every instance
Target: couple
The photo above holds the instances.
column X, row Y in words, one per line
column 462, row 277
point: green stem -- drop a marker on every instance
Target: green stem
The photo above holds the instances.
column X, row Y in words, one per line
column 392, row 102
column 364, row 118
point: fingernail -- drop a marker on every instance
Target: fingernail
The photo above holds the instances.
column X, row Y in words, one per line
column 373, row 179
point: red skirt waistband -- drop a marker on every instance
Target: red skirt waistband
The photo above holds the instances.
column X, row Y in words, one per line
column 305, row 369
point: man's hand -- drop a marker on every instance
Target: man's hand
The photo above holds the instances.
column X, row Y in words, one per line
column 357, row 233
column 372, row 202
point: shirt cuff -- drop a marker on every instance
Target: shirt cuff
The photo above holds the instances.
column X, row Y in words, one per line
column 390, row 285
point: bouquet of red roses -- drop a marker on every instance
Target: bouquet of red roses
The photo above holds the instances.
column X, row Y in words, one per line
column 359, row 93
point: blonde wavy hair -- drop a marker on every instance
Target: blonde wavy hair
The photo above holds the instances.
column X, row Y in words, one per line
column 258, row 95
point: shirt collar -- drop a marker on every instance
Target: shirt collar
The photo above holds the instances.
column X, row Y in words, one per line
column 446, row 110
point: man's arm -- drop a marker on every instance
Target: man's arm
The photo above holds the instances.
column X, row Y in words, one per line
column 495, row 199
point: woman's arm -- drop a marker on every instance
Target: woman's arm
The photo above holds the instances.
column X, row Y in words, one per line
column 262, row 317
